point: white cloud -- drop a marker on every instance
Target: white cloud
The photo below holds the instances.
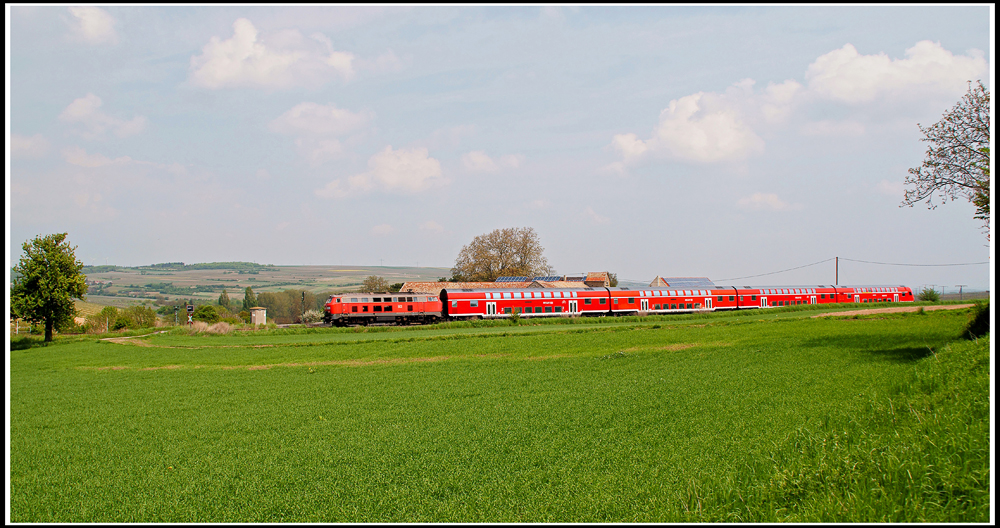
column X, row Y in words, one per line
column 701, row 128
column 316, row 124
column 94, row 25
column 478, row 161
column 400, row 171
column 28, row 147
column 629, row 146
column 383, row 230
column 262, row 174
column 432, row 226
column 766, row 201
column 319, row 120
column 847, row 76
column 86, row 112
column 78, row 156
column 594, row 217
column 715, row 127
column 287, row 60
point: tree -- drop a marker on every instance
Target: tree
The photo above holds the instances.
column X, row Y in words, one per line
column 374, row 283
column 48, row 279
column 929, row 294
column 206, row 314
column 612, row 279
column 957, row 163
column 249, row 299
column 224, row 299
column 501, row 252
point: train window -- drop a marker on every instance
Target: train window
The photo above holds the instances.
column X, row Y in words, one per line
column 454, row 304
column 376, row 299
column 506, row 310
column 616, row 301
column 732, row 297
column 697, row 305
column 409, row 307
column 558, row 309
column 409, row 299
column 388, row 308
column 631, row 300
column 548, row 309
column 586, row 301
column 689, row 306
column 753, row 297
column 432, row 299
column 354, row 299
column 354, row 308
column 378, row 308
column 473, row 303
column 604, row 301
column 538, row 309
column 720, row 298
column 656, row 306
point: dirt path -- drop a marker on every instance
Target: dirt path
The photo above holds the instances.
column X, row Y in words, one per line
column 897, row 309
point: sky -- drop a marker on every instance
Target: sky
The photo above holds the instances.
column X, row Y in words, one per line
column 728, row 142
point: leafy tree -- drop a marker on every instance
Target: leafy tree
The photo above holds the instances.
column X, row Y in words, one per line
column 374, row 283
column 249, row 299
column 206, row 313
column 612, row 279
column 929, row 294
column 48, row 279
column 501, row 252
column 395, row 287
column 224, row 299
column 957, row 163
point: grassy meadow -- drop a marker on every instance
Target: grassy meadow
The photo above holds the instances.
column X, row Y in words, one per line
column 752, row 417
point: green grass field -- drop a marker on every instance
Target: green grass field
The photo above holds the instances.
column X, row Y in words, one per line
column 738, row 418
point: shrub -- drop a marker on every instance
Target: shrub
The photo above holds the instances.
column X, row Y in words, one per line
column 515, row 318
column 312, row 316
column 929, row 294
column 206, row 314
column 979, row 323
column 197, row 327
column 244, row 316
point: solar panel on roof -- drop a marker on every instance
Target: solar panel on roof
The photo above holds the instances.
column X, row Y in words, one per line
column 689, row 282
column 511, row 279
column 548, row 279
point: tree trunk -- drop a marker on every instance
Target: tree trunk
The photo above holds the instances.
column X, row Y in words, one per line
column 48, row 330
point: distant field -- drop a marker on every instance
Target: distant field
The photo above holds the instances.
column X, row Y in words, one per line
column 754, row 417
column 208, row 284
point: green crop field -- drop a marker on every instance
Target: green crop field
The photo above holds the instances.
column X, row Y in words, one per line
column 721, row 417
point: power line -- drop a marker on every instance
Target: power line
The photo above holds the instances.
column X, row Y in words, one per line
column 774, row 272
column 894, row 264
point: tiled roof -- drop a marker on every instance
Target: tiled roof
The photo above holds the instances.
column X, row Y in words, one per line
column 436, row 287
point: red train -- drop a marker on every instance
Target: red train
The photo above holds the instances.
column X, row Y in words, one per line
column 464, row 304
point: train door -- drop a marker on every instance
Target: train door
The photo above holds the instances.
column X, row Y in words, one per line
column 857, row 298
column 763, row 302
column 812, row 300
column 572, row 307
column 708, row 303
column 644, row 305
column 895, row 298
column 491, row 308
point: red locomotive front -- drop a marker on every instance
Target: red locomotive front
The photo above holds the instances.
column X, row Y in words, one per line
column 382, row 307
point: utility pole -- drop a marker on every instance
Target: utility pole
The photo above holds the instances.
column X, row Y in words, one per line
column 960, row 290
column 836, row 276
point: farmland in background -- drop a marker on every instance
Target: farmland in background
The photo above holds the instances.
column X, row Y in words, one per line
column 755, row 417
column 205, row 282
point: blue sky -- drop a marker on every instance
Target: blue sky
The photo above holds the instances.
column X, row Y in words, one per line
column 677, row 141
